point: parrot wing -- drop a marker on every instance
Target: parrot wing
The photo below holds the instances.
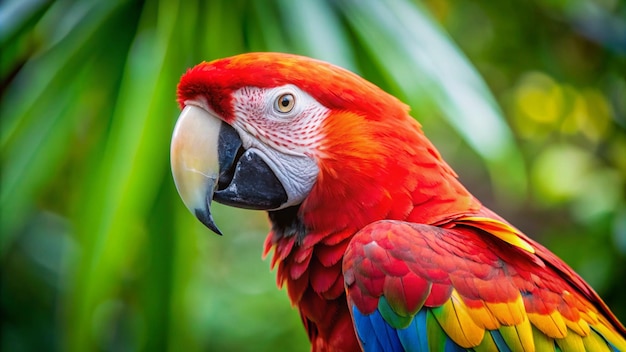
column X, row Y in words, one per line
column 418, row 287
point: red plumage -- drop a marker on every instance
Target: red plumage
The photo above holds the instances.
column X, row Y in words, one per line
column 388, row 218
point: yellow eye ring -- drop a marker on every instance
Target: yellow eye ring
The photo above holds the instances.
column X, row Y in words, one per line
column 285, row 102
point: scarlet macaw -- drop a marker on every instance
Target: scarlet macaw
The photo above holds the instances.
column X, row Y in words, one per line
column 380, row 246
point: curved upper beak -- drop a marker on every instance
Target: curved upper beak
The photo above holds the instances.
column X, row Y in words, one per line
column 195, row 161
column 209, row 162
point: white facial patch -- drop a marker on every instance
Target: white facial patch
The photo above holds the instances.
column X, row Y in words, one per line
column 287, row 141
column 295, row 132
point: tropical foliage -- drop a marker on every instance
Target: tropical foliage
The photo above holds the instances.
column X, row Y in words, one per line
column 525, row 99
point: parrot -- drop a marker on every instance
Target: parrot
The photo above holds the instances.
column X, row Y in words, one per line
column 379, row 245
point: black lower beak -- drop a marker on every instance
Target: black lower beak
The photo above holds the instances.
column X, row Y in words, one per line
column 253, row 186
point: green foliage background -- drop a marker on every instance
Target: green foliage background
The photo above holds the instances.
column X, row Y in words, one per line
column 526, row 99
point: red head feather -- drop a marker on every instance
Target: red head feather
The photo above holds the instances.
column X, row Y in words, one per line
column 332, row 86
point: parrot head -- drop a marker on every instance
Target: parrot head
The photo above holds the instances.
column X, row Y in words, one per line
column 265, row 131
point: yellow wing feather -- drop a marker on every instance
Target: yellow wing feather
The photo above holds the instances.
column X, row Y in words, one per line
column 519, row 337
column 454, row 318
column 508, row 313
column 503, row 231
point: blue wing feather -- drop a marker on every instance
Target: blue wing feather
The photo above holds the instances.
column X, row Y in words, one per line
column 451, row 346
column 499, row 341
column 375, row 333
column 414, row 337
column 365, row 331
column 386, row 334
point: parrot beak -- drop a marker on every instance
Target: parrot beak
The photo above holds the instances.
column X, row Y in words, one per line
column 209, row 162
column 195, row 161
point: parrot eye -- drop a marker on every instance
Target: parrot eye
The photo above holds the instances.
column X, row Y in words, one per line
column 285, row 102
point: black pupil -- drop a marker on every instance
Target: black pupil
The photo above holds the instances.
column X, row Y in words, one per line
column 285, row 101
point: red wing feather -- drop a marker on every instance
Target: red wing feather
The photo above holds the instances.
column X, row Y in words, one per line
column 475, row 283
